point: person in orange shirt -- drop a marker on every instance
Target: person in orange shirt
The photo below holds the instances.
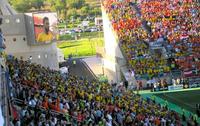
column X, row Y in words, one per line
column 57, row 105
column 157, row 122
column 45, row 103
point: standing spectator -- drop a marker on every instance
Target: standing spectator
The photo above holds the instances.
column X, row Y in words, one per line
column 1, row 118
column 126, row 84
column 198, row 109
column 138, row 87
column 74, row 62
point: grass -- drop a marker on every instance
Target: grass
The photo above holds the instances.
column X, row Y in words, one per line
column 184, row 99
column 82, row 47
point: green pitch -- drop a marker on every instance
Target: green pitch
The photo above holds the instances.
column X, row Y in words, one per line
column 184, row 99
column 82, row 47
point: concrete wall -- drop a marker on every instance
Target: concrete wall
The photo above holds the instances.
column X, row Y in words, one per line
column 113, row 59
column 18, row 34
column 115, row 63
column 30, row 28
column 5, row 8
column 111, row 42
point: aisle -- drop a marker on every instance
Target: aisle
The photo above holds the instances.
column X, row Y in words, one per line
column 79, row 69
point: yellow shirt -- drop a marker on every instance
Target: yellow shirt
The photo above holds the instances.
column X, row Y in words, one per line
column 98, row 98
column 43, row 37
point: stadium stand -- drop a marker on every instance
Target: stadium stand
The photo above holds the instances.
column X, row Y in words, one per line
column 159, row 38
column 41, row 96
column 132, row 38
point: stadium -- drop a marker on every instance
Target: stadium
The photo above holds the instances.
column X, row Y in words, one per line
column 100, row 63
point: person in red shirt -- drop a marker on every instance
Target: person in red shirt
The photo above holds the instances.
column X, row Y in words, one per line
column 57, row 105
column 80, row 117
column 45, row 103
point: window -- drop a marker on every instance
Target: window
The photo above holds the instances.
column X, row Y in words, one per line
column 14, row 39
column 17, row 20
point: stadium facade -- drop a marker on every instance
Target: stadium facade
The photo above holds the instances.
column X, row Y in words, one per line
column 20, row 40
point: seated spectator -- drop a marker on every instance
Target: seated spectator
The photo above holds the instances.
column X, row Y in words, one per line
column 82, row 102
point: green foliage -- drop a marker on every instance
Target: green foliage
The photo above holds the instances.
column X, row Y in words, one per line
column 37, row 4
column 85, row 10
column 72, row 13
column 77, row 4
column 60, row 6
column 65, row 8
column 21, row 5
column 96, row 11
column 26, row 5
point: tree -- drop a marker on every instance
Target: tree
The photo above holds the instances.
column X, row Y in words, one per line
column 63, row 8
column 37, row 4
column 60, row 6
column 95, row 12
column 21, row 5
column 76, row 3
column 72, row 13
column 85, row 10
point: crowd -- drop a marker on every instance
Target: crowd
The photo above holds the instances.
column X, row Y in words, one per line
column 133, row 37
column 176, row 22
column 49, row 99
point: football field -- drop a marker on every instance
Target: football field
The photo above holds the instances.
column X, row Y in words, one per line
column 184, row 99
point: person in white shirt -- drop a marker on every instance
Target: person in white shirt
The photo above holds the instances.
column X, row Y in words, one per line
column 109, row 120
column 163, row 122
column 1, row 119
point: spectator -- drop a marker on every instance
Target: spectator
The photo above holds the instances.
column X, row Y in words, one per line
column 77, row 101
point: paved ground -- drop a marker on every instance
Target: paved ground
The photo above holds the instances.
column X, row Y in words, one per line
column 80, row 69
column 95, row 64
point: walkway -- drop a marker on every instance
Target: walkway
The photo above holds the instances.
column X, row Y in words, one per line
column 95, row 64
column 80, row 69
